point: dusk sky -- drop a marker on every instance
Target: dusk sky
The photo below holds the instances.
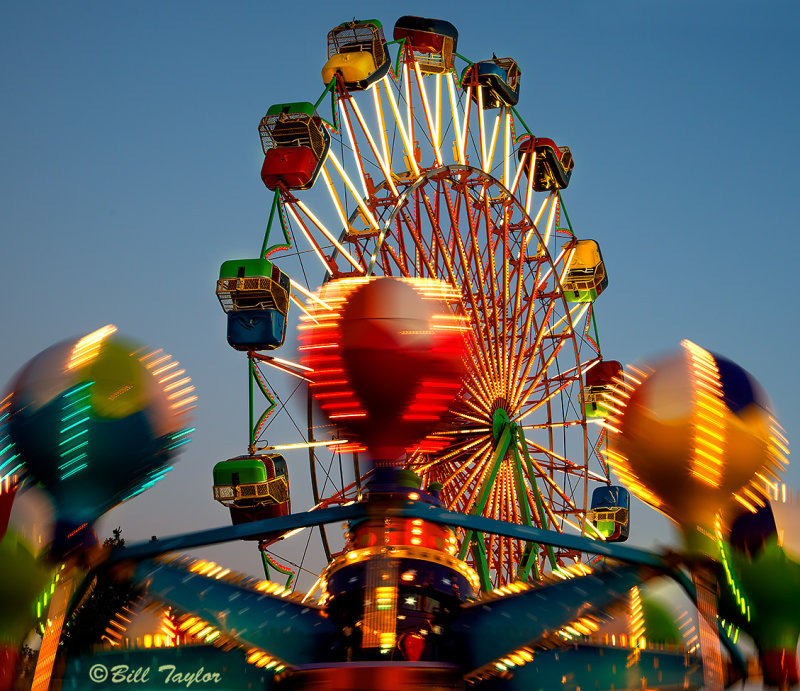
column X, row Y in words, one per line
column 130, row 172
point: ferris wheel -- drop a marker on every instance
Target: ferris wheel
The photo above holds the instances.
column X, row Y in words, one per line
column 415, row 163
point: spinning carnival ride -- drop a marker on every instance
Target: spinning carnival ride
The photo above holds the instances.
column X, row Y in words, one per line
column 418, row 172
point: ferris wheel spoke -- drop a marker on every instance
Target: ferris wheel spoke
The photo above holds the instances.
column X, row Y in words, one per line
column 549, row 397
column 522, row 368
column 529, row 185
column 354, row 148
column 491, row 277
column 457, row 131
column 551, row 218
column 438, row 238
column 432, row 131
column 536, row 221
column 309, row 238
column 527, row 389
column 409, row 107
column 466, row 285
column 367, row 214
column 553, row 486
column 475, row 477
column 420, row 251
column 320, row 226
column 518, row 174
column 460, row 469
column 404, row 134
column 493, row 141
column 506, row 148
column 384, row 163
column 474, row 259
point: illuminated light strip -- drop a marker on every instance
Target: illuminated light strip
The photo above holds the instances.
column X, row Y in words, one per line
column 637, row 628
column 154, row 363
column 506, row 145
column 376, row 97
column 336, row 201
column 409, row 111
column 305, row 445
column 704, row 374
column 346, row 179
column 300, row 304
column 165, row 368
column 398, row 119
column 493, row 143
column 52, row 633
column 308, row 237
column 456, row 122
column 578, row 305
column 327, row 233
column 171, row 375
column 518, row 174
column 429, row 120
column 354, row 148
column 529, row 185
column 382, row 163
column 551, row 217
column 87, row 348
column 437, row 79
column 482, row 129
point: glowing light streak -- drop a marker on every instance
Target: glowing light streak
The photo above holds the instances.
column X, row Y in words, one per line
column 346, row 179
column 376, row 98
column 323, row 260
column 584, row 306
column 88, row 347
column 303, row 445
column 311, row 296
column 426, row 108
column 337, row 204
column 551, row 217
column 529, row 185
column 506, row 146
column 437, row 80
column 456, row 122
column 493, row 142
column 165, row 368
column 354, row 149
column 327, row 233
column 382, row 162
column 404, row 136
column 171, row 376
column 482, row 129
column 409, row 109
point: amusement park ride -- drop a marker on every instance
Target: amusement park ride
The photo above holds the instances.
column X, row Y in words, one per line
column 454, row 373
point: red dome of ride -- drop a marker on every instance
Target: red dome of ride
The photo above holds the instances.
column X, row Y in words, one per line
column 388, row 358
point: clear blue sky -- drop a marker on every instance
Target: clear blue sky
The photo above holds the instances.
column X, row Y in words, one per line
column 130, row 171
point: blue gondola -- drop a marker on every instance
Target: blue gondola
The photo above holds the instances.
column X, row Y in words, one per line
column 255, row 295
column 610, row 512
column 497, row 80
